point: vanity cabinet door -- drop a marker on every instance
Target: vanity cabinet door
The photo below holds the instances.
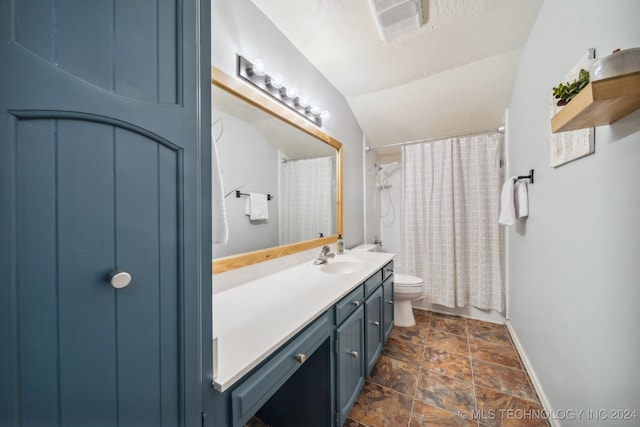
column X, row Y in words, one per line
column 388, row 302
column 373, row 307
column 350, row 362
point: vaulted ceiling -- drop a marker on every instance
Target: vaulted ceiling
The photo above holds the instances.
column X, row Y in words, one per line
column 453, row 75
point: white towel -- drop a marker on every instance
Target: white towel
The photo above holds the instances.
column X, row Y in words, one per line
column 521, row 199
column 256, row 206
column 220, row 227
column 507, row 207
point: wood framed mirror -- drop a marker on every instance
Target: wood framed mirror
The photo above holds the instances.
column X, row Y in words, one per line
column 242, row 116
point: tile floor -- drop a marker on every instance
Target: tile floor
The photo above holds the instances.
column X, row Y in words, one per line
column 447, row 371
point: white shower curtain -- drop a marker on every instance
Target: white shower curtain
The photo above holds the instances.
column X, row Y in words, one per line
column 450, row 233
column 306, row 199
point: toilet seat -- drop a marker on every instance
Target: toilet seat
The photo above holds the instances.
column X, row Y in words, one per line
column 406, row 284
column 406, row 280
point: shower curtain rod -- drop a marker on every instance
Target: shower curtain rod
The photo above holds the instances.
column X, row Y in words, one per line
column 499, row 129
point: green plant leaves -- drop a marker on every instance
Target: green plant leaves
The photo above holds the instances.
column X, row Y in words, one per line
column 566, row 92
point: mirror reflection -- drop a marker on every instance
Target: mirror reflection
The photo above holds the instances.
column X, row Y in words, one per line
column 279, row 182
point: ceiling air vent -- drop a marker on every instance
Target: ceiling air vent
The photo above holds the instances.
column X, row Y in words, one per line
column 397, row 17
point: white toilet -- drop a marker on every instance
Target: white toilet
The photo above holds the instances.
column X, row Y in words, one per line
column 406, row 288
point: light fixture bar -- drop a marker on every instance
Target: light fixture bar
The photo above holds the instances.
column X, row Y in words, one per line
column 274, row 85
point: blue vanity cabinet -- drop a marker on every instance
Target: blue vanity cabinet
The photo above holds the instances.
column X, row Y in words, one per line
column 373, row 307
column 314, row 379
column 350, row 363
column 292, row 387
column 360, row 338
column 387, row 271
column 373, row 317
column 387, row 315
column 349, row 304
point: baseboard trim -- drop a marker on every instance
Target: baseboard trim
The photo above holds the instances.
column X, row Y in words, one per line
column 532, row 375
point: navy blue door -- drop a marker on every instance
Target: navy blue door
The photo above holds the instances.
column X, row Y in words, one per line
column 103, row 166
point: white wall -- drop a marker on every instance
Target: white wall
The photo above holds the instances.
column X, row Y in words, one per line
column 249, row 161
column 574, row 267
column 238, row 27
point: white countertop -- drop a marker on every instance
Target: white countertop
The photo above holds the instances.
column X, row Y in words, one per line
column 255, row 318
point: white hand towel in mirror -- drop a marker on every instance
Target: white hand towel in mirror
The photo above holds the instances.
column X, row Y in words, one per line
column 257, row 206
column 219, row 223
column 507, row 207
column 521, row 199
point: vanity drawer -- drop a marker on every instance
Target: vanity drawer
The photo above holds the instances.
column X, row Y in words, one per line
column 263, row 383
column 349, row 304
column 372, row 283
column 387, row 270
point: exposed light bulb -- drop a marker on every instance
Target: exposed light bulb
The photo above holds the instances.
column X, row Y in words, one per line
column 258, row 68
column 292, row 92
column 302, row 101
column 277, row 81
column 325, row 116
column 315, row 111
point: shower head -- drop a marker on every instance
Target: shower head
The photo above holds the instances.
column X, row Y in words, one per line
column 389, row 166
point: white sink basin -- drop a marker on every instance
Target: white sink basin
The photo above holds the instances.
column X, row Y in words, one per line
column 341, row 265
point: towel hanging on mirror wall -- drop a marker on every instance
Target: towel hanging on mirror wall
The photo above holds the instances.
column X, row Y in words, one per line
column 256, row 207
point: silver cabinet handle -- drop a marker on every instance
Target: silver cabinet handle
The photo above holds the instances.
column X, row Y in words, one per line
column 354, row 353
column 301, row 357
column 356, row 303
column 390, row 302
column 389, row 270
column 119, row 279
column 375, row 323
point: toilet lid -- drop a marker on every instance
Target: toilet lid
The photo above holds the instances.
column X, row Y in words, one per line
column 406, row 280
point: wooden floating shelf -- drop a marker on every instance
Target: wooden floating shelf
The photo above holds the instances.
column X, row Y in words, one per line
column 601, row 102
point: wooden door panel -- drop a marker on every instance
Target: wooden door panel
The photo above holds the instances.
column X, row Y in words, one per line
column 111, row 201
column 106, row 44
column 104, row 163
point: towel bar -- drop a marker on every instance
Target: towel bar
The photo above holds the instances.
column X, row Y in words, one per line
column 529, row 177
column 239, row 194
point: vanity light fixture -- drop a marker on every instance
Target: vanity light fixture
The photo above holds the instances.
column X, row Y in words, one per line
column 273, row 85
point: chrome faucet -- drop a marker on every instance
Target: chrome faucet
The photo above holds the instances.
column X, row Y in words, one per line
column 377, row 242
column 324, row 255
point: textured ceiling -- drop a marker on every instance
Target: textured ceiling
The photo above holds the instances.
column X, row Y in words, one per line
column 453, row 75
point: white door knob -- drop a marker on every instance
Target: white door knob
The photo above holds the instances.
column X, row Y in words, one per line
column 119, row 279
